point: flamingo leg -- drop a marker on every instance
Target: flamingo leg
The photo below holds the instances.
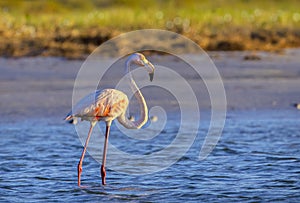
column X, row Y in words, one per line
column 103, row 172
column 79, row 167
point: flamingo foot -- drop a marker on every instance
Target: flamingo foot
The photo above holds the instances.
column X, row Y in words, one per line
column 103, row 175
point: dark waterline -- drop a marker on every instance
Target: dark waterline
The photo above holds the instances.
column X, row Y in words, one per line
column 256, row 160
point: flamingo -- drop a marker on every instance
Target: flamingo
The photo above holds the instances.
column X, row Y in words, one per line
column 109, row 104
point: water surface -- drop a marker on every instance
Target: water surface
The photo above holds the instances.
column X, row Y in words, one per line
column 256, row 160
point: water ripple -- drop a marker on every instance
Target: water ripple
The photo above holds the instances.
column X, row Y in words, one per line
column 255, row 161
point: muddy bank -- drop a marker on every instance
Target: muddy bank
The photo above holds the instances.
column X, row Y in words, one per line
column 77, row 44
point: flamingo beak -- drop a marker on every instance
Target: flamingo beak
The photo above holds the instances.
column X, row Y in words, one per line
column 150, row 68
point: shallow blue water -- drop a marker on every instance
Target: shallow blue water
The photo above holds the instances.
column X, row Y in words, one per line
column 256, row 160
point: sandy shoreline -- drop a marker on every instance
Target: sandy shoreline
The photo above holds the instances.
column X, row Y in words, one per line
column 42, row 87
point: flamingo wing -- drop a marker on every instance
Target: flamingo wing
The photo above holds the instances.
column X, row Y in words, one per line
column 100, row 105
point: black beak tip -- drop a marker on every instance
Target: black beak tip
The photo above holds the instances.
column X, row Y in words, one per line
column 151, row 76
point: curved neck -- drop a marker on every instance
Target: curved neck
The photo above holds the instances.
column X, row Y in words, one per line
column 143, row 106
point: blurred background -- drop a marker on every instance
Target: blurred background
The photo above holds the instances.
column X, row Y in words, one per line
column 73, row 28
column 255, row 47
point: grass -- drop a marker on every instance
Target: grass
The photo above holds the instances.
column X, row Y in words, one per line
column 60, row 27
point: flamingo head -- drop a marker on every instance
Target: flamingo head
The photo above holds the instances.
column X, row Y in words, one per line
column 140, row 60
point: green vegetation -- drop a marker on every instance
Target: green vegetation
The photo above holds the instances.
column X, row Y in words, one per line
column 72, row 27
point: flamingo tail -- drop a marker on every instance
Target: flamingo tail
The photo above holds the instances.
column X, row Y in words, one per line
column 70, row 118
